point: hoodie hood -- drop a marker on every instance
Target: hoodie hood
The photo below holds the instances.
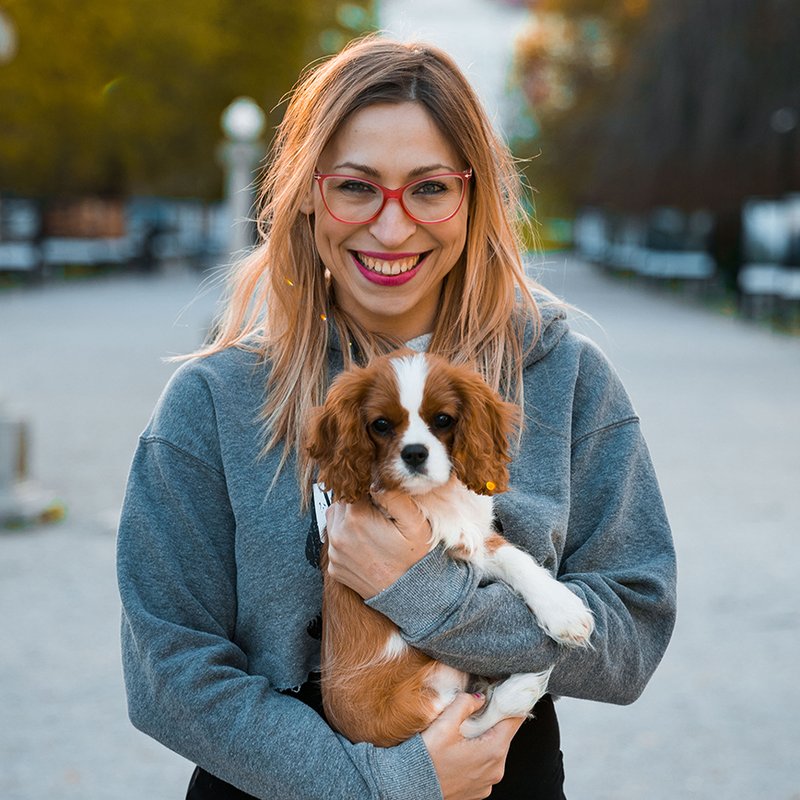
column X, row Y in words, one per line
column 552, row 326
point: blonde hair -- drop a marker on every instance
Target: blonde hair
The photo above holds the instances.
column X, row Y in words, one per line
column 280, row 302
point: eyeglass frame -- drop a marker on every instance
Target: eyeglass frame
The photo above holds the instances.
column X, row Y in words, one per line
column 396, row 194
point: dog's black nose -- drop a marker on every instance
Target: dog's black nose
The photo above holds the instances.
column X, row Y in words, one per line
column 414, row 455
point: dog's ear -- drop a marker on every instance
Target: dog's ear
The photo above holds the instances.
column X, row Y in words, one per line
column 317, row 436
column 481, row 449
column 338, row 440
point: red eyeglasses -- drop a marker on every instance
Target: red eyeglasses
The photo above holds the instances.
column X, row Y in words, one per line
column 357, row 201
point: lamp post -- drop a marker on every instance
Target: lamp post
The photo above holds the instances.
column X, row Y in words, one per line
column 8, row 39
column 784, row 122
column 243, row 122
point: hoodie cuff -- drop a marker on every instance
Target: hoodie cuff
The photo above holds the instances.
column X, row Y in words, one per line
column 406, row 771
column 421, row 599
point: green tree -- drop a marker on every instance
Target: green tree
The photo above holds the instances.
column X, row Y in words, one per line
column 126, row 97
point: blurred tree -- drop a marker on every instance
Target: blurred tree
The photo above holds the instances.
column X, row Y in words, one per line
column 126, row 97
column 567, row 64
column 691, row 103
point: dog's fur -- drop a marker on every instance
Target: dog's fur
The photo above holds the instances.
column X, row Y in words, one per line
column 418, row 424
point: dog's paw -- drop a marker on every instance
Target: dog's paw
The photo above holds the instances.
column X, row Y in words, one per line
column 514, row 697
column 565, row 618
column 473, row 727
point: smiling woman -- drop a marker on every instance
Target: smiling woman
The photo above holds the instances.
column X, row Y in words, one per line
column 387, row 271
column 382, row 115
column 388, row 217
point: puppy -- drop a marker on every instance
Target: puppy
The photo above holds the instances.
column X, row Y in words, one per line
column 416, row 423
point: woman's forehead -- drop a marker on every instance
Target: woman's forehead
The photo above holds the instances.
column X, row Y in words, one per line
column 390, row 138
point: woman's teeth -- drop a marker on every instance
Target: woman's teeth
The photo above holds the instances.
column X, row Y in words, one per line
column 396, row 267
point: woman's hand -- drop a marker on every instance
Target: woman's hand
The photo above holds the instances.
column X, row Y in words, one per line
column 371, row 544
column 468, row 768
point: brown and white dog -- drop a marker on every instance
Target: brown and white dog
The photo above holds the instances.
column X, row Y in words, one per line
column 414, row 422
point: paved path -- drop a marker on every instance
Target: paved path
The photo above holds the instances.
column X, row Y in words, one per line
column 719, row 404
column 83, row 361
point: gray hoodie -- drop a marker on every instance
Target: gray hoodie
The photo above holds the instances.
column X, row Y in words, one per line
column 221, row 592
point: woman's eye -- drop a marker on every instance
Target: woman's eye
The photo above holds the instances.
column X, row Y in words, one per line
column 381, row 426
column 442, row 422
column 355, row 187
column 430, row 188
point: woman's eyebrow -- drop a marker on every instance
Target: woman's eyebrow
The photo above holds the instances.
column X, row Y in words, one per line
column 431, row 168
column 374, row 173
column 359, row 168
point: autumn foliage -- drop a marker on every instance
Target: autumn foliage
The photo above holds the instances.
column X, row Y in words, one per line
column 645, row 103
column 123, row 97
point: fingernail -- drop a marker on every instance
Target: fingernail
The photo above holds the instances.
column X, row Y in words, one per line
column 479, row 695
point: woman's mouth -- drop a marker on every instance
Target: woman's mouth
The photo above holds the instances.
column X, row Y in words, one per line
column 390, row 269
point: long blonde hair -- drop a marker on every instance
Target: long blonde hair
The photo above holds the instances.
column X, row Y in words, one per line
column 280, row 302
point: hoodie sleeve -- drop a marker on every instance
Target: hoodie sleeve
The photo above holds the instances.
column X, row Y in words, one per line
column 617, row 556
column 187, row 681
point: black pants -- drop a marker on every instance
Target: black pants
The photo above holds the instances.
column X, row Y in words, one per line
column 534, row 767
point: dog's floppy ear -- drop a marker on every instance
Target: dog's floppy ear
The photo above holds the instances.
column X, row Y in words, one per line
column 481, row 449
column 338, row 441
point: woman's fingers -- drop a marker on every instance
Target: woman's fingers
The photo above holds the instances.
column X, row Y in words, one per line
column 405, row 514
column 467, row 768
column 366, row 551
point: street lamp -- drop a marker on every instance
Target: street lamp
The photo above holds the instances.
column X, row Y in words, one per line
column 8, row 39
column 243, row 122
column 784, row 122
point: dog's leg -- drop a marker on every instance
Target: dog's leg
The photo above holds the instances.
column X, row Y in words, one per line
column 514, row 697
column 560, row 612
column 445, row 683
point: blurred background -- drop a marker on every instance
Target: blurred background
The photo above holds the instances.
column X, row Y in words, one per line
column 662, row 138
column 659, row 147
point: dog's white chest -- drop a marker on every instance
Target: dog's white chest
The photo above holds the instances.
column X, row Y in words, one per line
column 459, row 519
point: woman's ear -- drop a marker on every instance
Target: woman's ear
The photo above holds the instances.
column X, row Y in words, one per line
column 307, row 204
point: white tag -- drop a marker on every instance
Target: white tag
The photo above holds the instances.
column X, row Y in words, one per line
column 322, row 500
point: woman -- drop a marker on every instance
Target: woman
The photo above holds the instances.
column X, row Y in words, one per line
column 389, row 212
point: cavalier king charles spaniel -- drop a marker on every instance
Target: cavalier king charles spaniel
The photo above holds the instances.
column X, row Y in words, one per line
column 416, row 423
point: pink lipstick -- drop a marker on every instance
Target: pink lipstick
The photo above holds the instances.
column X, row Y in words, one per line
column 383, row 269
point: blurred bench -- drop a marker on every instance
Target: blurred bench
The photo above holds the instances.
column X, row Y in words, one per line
column 768, row 290
column 769, row 279
column 665, row 245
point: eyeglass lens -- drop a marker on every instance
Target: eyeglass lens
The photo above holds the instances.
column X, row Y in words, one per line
column 428, row 200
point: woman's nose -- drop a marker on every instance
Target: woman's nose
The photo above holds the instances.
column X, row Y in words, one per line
column 392, row 226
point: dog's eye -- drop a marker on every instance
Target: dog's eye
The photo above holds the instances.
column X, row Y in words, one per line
column 442, row 422
column 381, row 426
